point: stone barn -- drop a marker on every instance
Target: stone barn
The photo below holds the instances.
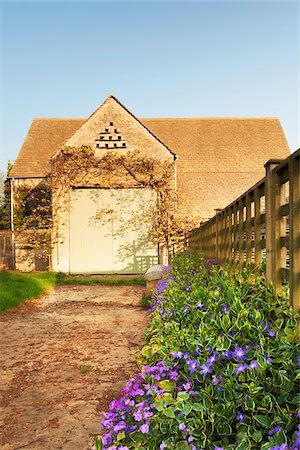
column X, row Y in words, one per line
column 102, row 220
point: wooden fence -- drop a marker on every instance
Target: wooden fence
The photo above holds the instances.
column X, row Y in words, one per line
column 262, row 224
column 6, row 250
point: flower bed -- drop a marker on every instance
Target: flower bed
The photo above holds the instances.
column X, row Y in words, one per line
column 220, row 368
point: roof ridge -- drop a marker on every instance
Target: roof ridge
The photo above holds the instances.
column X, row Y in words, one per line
column 59, row 118
column 210, row 118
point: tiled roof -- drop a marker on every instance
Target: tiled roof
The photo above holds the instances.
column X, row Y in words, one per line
column 218, row 158
column 44, row 137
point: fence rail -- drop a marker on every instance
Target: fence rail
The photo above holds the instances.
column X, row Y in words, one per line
column 262, row 224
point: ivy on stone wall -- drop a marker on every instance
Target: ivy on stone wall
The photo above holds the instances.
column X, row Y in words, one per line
column 76, row 167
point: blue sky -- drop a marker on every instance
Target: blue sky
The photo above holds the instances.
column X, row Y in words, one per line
column 161, row 59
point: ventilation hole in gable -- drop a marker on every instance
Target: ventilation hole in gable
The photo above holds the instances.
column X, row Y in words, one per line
column 124, row 145
column 110, row 138
column 106, row 145
column 97, row 145
column 119, row 138
column 115, row 145
column 111, row 124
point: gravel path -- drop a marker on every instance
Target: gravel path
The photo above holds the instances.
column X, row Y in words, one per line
column 63, row 358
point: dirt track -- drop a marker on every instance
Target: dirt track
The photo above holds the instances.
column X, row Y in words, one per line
column 64, row 357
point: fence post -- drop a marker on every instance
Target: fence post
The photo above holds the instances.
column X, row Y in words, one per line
column 273, row 221
column 294, row 231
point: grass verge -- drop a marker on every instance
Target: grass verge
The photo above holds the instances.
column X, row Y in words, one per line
column 18, row 287
column 63, row 279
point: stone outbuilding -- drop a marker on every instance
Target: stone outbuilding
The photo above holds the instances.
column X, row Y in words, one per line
column 214, row 160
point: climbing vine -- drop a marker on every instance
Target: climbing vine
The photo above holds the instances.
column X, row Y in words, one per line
column 45, row 207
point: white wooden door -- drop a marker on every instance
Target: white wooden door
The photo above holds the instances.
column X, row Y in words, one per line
column 109, row 230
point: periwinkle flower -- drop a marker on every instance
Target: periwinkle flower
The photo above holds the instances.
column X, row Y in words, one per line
column 138, row 416
column 200, row 305
column 182, row 426
column 120, row 426
column 239, row 353
column 214, row 380
column 205, row 369
column 253, row 365
column 213, row 359
column 275, row 430
column 193, row 365
column 186, row 309
column 144, row 428
column 240, row 416
column 240, row 368
column 224, row 308
column 188, row 288
column 198, row 350
column 272, row 333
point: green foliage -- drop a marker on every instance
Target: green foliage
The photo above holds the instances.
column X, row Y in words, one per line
column 5, row 207
column 234, row 346
column 63, row 279
column 85, row 368
column 18, row 287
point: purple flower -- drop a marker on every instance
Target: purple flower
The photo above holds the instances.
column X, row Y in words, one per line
column 218, row 448
column 272, row 333
column 214, row 300
column 161, row 286
column 240, row 368
column 253, row 365
column 107, row 439
column 214, row 380
column 198, row 350
column 213, row 359
column 162, row 446
column 239, row 353
column 177, row 354
column 226, row 355
column 225, row 308
column 240, row 416
column 298, row 361
column 186, row 309
column 144, row 428
column 193, row 365
column 182, row 426
column 205, row 369
column 120, row 426
column 188, row 288
column 138, row 416
column 276, row 429
column 200, row 305
column 123, row 447
column 269, row 360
